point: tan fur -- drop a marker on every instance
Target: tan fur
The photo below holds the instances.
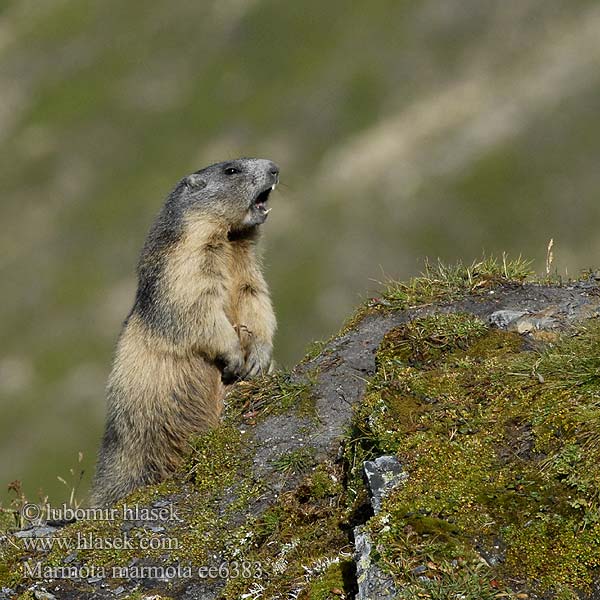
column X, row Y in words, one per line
column 148, row 375
column 250, row 305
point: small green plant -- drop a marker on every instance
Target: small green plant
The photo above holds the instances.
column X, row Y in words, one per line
column 297, row 461
column 473, row 583
column 428, row 338
column 74, row 485
column 271, row 394
column 14, row 512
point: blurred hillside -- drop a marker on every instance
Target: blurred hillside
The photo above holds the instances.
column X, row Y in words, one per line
column 404, row 129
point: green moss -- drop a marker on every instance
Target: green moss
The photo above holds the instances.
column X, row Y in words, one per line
column 301, row 542
column 330, row 585
column 217, row 458
column 556, row 548
column 324, row 483
column 425, row 339
column 10, row 570
column 499, row 444
column 220, row 470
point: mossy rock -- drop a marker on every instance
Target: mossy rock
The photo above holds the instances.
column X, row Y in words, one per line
column 498, row 434
column 501, row 447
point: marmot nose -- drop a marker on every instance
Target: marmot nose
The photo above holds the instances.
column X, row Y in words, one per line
column 273, row 169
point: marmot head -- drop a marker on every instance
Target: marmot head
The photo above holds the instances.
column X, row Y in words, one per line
column 235, row 191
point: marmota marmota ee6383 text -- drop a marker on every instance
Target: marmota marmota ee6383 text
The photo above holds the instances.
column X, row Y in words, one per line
column 202, row 318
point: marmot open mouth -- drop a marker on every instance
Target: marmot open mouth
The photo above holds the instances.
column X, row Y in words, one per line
column 260, row 202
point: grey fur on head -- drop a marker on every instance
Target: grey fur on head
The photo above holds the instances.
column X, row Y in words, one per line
column 235, row 190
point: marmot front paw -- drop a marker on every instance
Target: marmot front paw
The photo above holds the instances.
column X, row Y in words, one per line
column 232, row 367
column 258, row 361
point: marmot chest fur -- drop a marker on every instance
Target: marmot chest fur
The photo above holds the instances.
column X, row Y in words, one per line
column 202, row 319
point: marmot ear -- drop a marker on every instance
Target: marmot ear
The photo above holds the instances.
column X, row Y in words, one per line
column 195, row 181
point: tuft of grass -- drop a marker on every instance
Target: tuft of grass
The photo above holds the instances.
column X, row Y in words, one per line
column 296, row 461
column 443, row 283
column 425, row 339
column 74, row 485
column 567, row 367
column 438, row 283
column 12, row 516
column 272, row 394
column 472, row 584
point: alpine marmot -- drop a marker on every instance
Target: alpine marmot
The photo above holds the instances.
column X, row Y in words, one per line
column 202, row 319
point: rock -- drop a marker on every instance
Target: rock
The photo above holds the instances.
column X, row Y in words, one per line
column 383, row 475
column 503, row 318
column 535, row 323
column 372, row 581
column 530, row 322
column 419, row 570
column 311, row 410
column 36, row 532
column 43, row 595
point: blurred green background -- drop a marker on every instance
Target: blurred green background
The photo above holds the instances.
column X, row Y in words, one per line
column 404, row 129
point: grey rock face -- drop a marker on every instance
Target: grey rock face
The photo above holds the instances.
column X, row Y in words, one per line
column 373, row 583
column 38, row 531
column 383, row 475
column 504, row 318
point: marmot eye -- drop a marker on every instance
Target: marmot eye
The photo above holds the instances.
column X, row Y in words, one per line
column 231, row 171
